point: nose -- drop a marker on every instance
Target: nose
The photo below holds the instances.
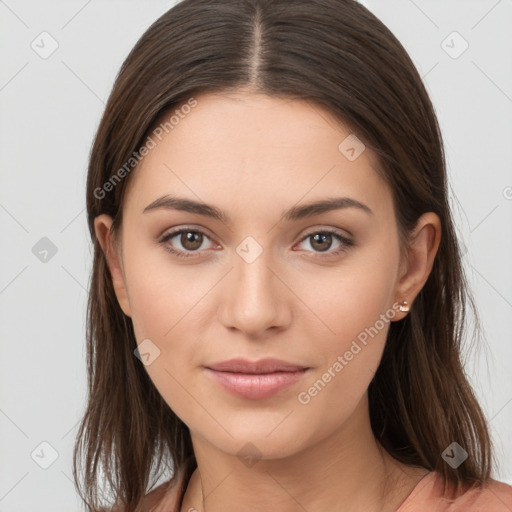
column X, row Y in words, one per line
column 254, row 297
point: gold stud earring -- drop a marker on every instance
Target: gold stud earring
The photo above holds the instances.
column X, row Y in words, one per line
column 404, row 306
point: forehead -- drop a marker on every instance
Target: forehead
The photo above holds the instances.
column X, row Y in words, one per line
column 253, row 151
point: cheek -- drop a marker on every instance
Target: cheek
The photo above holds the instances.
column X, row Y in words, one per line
column 163, row 295
column 160, row 315
column 165, row 302
column 356, row 305
column 347, row 300
column 350, row 357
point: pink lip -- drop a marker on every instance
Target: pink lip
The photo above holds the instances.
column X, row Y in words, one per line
column 255, row 380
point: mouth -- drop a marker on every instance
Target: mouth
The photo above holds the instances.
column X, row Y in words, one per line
column 255, row 379
column 264, row 366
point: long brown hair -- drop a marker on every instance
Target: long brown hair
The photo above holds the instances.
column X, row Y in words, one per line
column 338, row 55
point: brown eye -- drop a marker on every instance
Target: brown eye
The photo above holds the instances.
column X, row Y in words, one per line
column 191, row 240
column 184, row 242
column 321, row 241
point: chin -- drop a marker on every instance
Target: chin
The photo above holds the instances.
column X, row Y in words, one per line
column 267, row 440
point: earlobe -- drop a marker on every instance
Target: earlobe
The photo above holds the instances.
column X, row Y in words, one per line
column 424, row 244
column 102, row 228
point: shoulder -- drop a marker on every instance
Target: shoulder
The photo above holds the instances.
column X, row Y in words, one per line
column 493, row 497
column 428, row 496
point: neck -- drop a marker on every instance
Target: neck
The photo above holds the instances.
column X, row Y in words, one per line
column 348, row 470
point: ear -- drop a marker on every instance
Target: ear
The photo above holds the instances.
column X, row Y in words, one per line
column 419, row 259
column 102, row 225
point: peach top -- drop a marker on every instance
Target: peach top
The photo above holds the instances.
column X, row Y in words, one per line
column 427, row 496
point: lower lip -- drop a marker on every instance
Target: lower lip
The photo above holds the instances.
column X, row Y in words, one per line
column 256, row 386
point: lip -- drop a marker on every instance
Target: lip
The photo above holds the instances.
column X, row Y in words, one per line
column 255, row 380
column 268, row 365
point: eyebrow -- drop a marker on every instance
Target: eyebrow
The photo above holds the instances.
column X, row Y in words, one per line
column 293, row 214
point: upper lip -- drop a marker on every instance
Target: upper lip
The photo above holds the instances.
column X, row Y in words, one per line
column 268, row 365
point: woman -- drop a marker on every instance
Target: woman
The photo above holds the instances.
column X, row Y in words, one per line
column 277, row 302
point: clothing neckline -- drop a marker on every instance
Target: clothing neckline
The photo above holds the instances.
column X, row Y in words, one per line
column 425, row 480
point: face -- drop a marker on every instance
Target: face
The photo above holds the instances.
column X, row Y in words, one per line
column 271, row 278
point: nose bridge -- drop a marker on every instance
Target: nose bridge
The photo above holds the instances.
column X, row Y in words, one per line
column 254, row 298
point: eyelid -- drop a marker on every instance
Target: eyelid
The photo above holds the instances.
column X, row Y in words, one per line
column 183, row 227
column 329, row 229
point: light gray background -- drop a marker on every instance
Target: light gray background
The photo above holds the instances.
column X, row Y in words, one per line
column 50, row 108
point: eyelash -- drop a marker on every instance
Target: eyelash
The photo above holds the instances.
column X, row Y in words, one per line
column 346, row 242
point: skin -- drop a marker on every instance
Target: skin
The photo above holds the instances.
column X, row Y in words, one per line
column 254, row 157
